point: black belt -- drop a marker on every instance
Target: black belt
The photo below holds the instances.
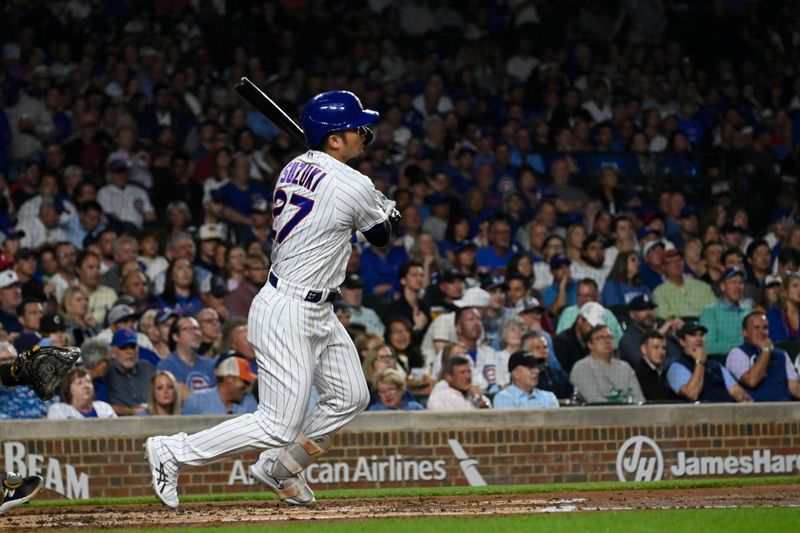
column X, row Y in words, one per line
column 311, row 296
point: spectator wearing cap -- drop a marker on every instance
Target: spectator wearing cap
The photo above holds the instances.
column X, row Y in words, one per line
column 29, row 314
column 230, row 396
column 563, row 291
column 652, row 264
column 601, row 377
column 17, row 403
column 256, row 272
column 10, row 299
column 764, row 371
column 53, row 326
column 523, row 393
column 436, row 224
column 587, row 292
column 26, row 266
column 651, row 369
column 442, row 330
column 408, row 305
column 680, row 295
column 536, row 319
column 551, row 376
column 390, row 389
column 45, row 228
column 723, row 318
column 784, row 318
column 591, row 263
column 495, row 287
column 125, row 249
column 353, row 297
column 570, row 344
column 624, row 281
column 456, row 390
column 159, row 333
column 642, row 318
column 122, row 316
column 260, row 224
column 193, row 371
column 772, row 292
column 128, row 376
column 209, row 236
column 495, row 256
column 213, row 293
column 101, row 298
column 124, row 201
column 448, row 287
column 694, row 377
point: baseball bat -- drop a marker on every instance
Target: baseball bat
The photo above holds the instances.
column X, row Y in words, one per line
column 269, row 109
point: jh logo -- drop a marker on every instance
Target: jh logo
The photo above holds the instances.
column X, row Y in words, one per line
column 640, row 459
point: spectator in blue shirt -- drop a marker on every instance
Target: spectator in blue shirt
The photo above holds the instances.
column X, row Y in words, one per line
column 193, row 371
column 391, row 393
column 522, row 393
column 232, row 394
column 379, row 270
column 564, row 290
column 495, row 257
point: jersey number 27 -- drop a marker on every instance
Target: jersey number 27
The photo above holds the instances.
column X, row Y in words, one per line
column 281, row 200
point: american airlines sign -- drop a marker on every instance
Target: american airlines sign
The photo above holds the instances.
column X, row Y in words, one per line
column 640, row 459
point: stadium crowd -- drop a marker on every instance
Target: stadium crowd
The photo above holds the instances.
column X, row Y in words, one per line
column 599, row 199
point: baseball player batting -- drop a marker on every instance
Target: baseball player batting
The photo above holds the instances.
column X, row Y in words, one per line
column 318, row 203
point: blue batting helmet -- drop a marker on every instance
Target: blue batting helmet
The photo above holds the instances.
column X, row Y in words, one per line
column 334, row 111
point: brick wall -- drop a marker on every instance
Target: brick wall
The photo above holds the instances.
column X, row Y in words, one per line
column 80, row 459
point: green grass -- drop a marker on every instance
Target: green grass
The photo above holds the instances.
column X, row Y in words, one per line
column 740, row 520
column 444, row 491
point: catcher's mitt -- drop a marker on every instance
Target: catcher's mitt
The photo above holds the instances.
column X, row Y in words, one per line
column 43, row 368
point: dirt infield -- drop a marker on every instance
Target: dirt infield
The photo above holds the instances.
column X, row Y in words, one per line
column 273, row 512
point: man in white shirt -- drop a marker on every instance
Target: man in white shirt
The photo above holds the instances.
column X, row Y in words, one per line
column 44, row 228
column 455, row 392
column 120, row 200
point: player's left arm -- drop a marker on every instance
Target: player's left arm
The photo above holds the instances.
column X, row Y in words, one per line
column 375, row 215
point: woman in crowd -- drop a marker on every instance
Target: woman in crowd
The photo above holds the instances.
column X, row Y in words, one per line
column 164, row 397
column 399, row 336
column 234, row 266
column 784, row 318
column 520, row 265
column 80, row 322
column 181, row 293
column 692, row 251
column 457, row 230
column 77, row 399
column 553, row 245
column 390, row 389
column 576, row 234
column 623, row 281
column 179, row 218
column 464, row 261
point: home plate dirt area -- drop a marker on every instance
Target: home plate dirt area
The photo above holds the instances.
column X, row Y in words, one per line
column 274, row 512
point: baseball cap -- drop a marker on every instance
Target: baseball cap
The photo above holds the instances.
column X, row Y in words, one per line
column 353, row 281
column 124, row 337
column 647, row 230
column 734, row 271
column 690, row 327
column 164, row 315
column 720, row 187
column 522, row 358
column 594, row 313
column 688, row 210
column 260, row 205
column 210, row 232
column 640, row 302
column 120, row 312
column 473, row 297
column 26, row 340
column 529, row 304
column 464, row 245
column 492, row 282
column 8, row 278
column 652, row 244
column 730, row 227
column 451, row 275
column 117, row 165
column 52, row 323
column 772, row 280
column 236, row 366
column 672, row 252
column 558, row 261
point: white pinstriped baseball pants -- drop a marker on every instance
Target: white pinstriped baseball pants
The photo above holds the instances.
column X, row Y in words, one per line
column 297, row 343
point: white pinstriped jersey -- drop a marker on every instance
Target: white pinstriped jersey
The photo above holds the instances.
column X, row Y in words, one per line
column 318, row 203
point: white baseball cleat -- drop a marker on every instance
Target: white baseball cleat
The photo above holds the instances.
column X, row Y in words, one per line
column 294, row 490
column 164, row 475
column 17, row 489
